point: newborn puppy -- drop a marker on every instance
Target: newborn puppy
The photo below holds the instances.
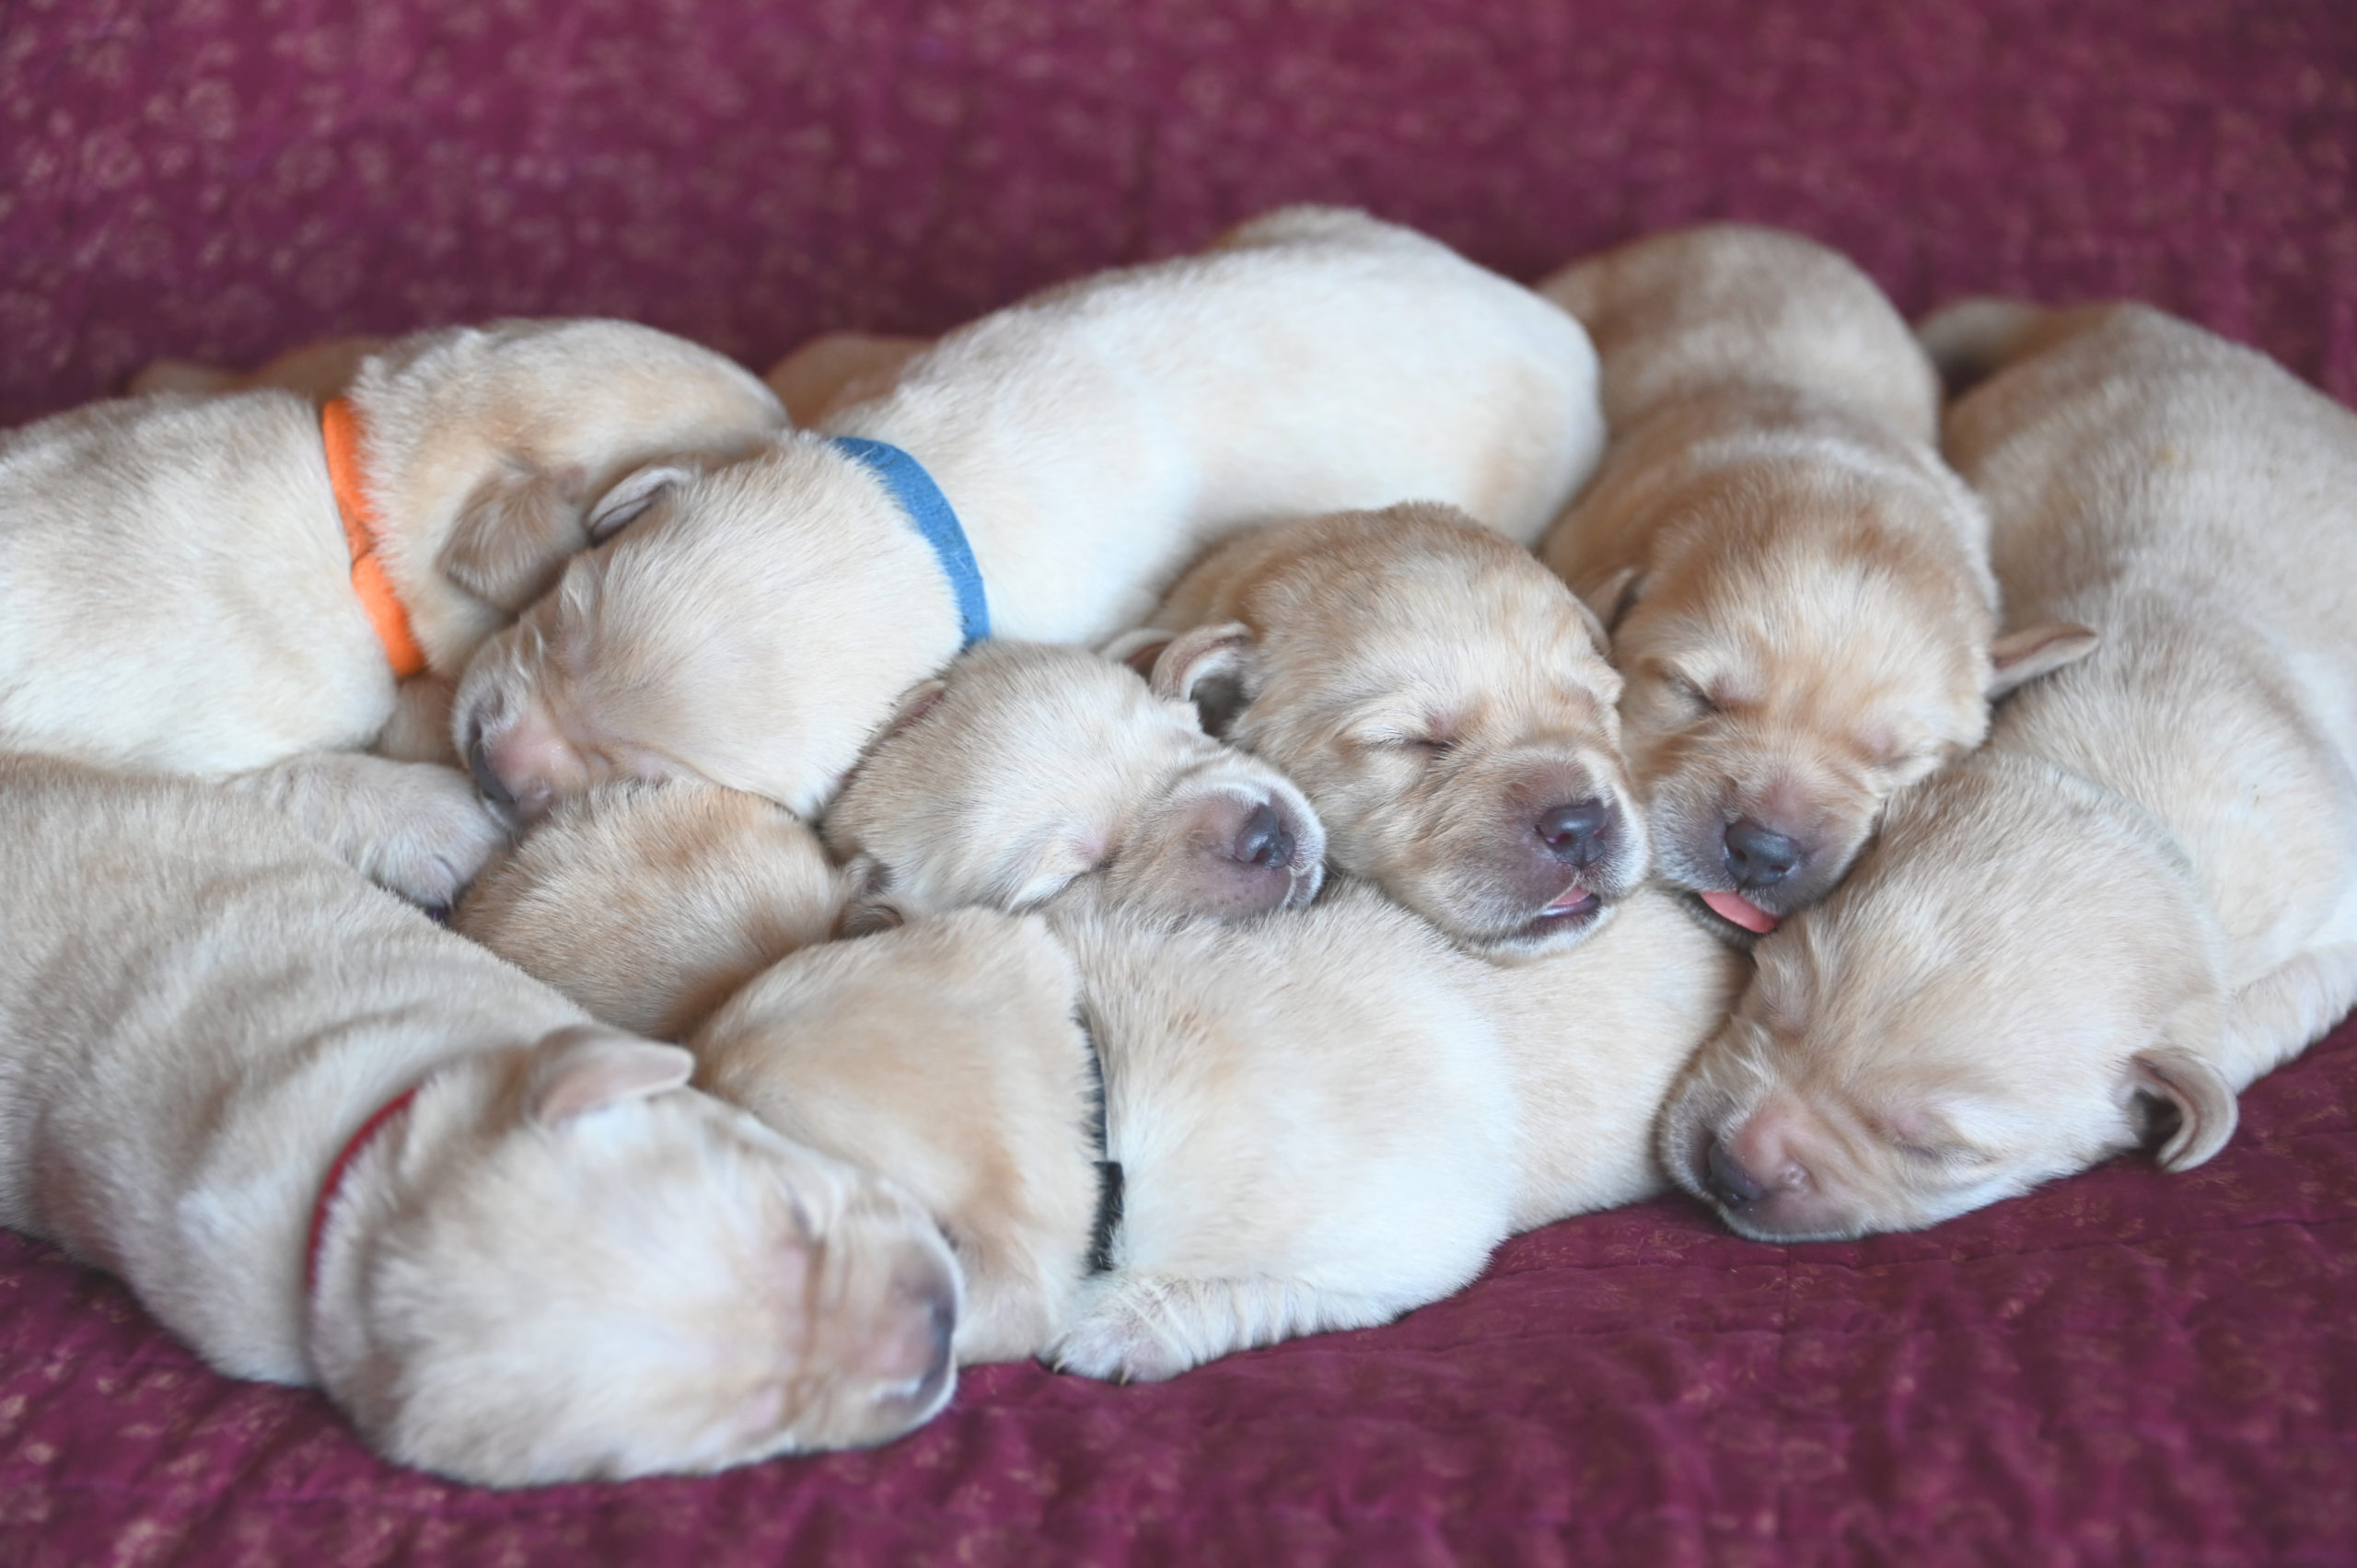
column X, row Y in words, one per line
column 231, row 585
column 1797, row 590
column 1443, row 701
column 650, row 905
column 1028, row 765
column 1042, row 473
column 2142, row 893
column 325, row 1141
column 1318, row 1120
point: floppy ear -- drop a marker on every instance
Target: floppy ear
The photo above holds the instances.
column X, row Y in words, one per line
column 634, row 493
column 593, row 1068
column 1139, row 648
column 1598, row 632
column 2023, row 656
column 513, row 536
column 2204, row 1102
column 915, row 702
column 1215, row 667
column 1609, row 598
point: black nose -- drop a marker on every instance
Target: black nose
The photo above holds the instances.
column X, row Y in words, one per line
column 1264, row 839
column 487, row 781
column 1579, row 834
column 1759, row 857
column 1729, row 1182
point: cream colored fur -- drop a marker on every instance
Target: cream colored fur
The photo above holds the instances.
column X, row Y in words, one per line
column 1027, row 766
column 2142, row 893
column 651, row 904
column 318, row 371
column 175, row 586
column 1441, row 699
column 555, row 1264
column 757, row 627
column 829, row 374
column 1797, row 588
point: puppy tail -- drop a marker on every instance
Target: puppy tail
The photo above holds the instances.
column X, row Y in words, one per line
column 1973, row 339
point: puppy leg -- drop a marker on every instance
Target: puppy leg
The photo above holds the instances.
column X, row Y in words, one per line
column 2280, row 1013
column 1139, row 1328
column 415, row 828
column 419, row 730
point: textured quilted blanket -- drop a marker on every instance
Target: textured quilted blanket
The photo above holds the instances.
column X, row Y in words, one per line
column 2126, row 1367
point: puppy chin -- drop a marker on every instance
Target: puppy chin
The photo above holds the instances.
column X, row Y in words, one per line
column 1564, row 925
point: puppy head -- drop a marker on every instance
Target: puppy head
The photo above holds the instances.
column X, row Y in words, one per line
column 1784, row 680
column 493, row 455
column 2018, row 981
column 751, row 627
column 594, row 1271
column 950, row 1052
column 649, row 905
column 1444, row 702
column 1027, row 766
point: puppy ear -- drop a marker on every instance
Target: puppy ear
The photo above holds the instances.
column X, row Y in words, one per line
column 1215, row 667
column 2023, row 655
column 587, row 1069
column 1598, row 632
column 513, row 536
column 631, row 494
column 915, row 702
column 1139, row 649
column 1609, row 598
column 869, row 917
column 2204, row 1100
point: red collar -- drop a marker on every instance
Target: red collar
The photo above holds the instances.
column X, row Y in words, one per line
column 368, row 1130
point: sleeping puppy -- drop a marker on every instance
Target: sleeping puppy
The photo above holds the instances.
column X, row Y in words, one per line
column 325, row 1141
column 231, row 585
column 1444, row 702
column 1797, row 589
column 649, row 905
column 2142, row 893
column 1041, row 472
column 1315, row 1121
column 1028, row 765
column 831, row 372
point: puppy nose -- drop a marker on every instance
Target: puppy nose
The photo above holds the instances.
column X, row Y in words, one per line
column 1728, row 1181
column 1264, row 839
column 1581, row 833
column 1759, row 857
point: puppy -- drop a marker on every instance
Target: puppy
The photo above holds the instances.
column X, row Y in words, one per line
column 319, row 371
column 1443, row 701
column 325, row 1141
column 1317, row 1120
column 2142, row 893
column 1043, row 472
column 1028, row 765
column 831, row 373
column 230, row 585
column 649, row 905
column 1797, row 589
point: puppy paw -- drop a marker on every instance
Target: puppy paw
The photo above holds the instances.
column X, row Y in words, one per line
column 436, row 836
column 1119, row 1341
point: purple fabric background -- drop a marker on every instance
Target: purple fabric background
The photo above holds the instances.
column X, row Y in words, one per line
column 2123, row 1368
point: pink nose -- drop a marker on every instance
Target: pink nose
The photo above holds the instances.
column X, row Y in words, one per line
column 516, row 772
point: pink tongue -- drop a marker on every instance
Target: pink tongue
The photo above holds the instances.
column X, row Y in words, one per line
column 1572, row 897
column 1742, row 911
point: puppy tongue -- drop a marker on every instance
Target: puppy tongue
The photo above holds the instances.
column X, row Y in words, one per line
column 1572, row 897
column 1740, row 910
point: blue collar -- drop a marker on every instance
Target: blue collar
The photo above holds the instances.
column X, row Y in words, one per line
column 929, row 509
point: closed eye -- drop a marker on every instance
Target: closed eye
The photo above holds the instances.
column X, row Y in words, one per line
column 1688, row 692
column 1946, row 1156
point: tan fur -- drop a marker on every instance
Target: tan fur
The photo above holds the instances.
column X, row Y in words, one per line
column 651, row 904
column 756, row 628
column 829, row 374
column 1027, row 766
column 2142, row 893
column 175, row 585
column 318, row 371
column 1441, row 698
column 1797, row 589
column 554, row 1264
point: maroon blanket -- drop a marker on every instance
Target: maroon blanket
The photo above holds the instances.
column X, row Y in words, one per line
column 2126, row 1367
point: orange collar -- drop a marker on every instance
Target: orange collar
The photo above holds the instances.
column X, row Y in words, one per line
column 340, row 433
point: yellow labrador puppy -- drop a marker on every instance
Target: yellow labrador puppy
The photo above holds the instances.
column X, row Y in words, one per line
column 1441, row 699
column 2142, row 894
column 649, row 905
column 1318, row 1120
column 1043, row 472
column 327, row 1142
column 231, row 585
column 1028, row 765
column 1797, row 589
